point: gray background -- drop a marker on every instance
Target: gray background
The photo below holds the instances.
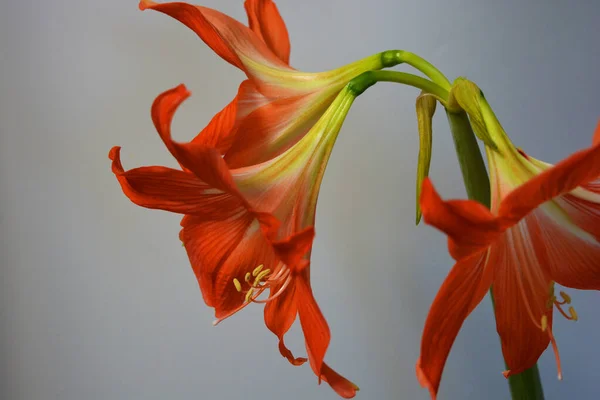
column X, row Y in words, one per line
column 97, row 299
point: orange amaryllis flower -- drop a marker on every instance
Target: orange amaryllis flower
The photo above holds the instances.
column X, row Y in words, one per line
column 277, row 105
column 543, row 228
column 236, row 246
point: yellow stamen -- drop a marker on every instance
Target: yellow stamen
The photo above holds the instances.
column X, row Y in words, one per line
column 261, row 276
column 544, row 323
column 573, row 314
column 257, row 270
column 238, row 285
column 249, row 295
column 247, row 277
column 565, row 297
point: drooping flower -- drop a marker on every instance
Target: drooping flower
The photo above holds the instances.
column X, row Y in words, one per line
column 543, row 228
column 248, row 230
column 277, row 105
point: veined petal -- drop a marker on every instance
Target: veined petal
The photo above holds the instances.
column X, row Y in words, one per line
column 464, row 288
column 264, row 20
column 170, row 190
column 221, row 250
column 522, row 296
column 470, row 226
column 227, row 37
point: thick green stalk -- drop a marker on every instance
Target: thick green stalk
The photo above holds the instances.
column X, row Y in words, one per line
column 527, row 385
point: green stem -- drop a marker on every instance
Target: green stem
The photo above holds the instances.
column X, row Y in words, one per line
column 395, row 57
column 526, row 385
column 369, row 78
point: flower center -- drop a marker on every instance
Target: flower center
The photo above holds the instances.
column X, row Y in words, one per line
column 255, row 283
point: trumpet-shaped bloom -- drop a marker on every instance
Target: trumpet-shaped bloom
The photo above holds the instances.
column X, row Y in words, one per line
column 543, row 228
column 277, row 105
column 248, row 231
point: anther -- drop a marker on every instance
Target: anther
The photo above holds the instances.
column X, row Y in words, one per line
column 257, row 270
column 261, row 276
column 573, row 313
column 544, row 323
column 249, row 295
column 238, row 285
column 247, row 277
column 566, row 298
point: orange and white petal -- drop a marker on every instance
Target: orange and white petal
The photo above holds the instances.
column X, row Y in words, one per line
column 568, row 233
column 171, row 190
column 463, row 289
column 230, row 39
column 470, row 226
column 273, row 128
column 579, row 169
column 522, row 296
column 266, row 22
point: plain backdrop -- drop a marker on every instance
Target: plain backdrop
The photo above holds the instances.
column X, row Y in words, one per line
column 97, row 298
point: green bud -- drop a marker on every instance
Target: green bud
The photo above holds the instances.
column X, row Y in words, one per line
column 425, row 106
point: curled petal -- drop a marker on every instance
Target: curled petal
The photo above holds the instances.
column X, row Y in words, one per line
column 170, row 190
column 266, row 22
column 280, row 314
column 342, row 386
column 230, row 39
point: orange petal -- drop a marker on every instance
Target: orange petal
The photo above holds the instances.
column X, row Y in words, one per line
column 315, row 328
column 576, row 170
column 470, row 226
column 280, row 314
column 221, row 250
column 521, row 292
column 170, row 190
column 264, row 20
column 227, row 37
column 342, row 386
column 464, row 288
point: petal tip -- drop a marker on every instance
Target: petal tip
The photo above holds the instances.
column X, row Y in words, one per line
column 424, row 380
column 145, row 4
column 114, row 153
